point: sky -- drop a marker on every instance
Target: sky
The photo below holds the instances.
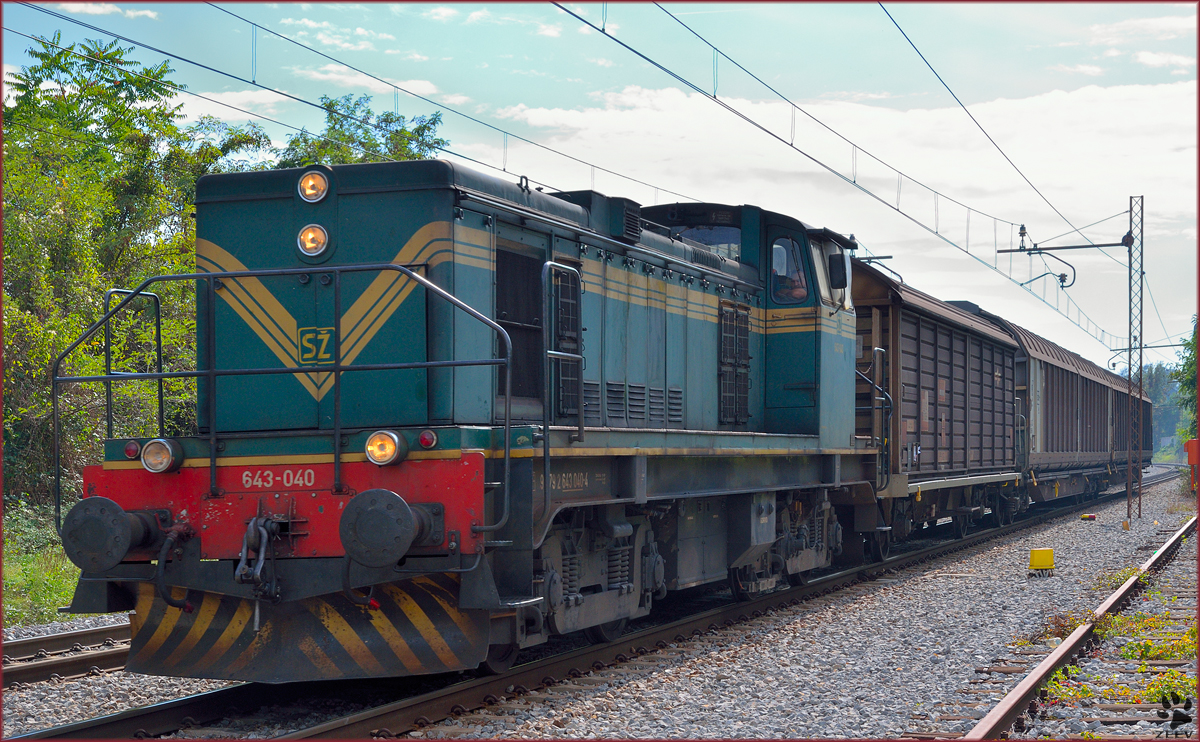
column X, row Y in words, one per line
column 1078, row 107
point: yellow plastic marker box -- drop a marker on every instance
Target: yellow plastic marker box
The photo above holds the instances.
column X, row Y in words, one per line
column 1041, row 558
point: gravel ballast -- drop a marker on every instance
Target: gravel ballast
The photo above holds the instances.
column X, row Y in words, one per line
column 860, row 663
column 853, row 664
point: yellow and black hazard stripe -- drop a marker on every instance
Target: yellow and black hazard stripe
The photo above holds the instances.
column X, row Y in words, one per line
column 417, row 629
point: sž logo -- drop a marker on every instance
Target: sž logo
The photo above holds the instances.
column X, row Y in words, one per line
column 1178, row 717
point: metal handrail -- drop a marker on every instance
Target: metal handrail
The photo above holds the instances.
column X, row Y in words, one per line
column 212, row 281
column 108, row 412
column 884, row 463
column 549, row 268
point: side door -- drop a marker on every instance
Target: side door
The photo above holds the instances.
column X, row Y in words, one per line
column 792, row 356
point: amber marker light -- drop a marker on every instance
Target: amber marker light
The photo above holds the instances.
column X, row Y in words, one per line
column 161, row 455
column 313, row 240
column 385, row 447
column 313, row 186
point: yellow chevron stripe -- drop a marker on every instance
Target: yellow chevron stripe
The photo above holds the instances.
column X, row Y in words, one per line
column 345, row 635
column 423, row 625
column 433, row 589
column 145, row 600
column 399, row 647
column 240, row 618
column 163, row 630
column 260, row 642
column 320, row 660
column 204, row 617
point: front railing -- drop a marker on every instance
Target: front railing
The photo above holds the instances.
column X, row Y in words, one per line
column 212, row 283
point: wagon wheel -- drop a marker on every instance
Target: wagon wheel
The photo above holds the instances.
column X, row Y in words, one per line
column 960, row 525
column 500, row 659
column 881, row 545
column 606, row 632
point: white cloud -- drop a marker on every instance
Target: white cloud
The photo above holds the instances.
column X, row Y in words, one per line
column 1134, row 29
column 345, row 77
column 1155, row 59
column 104, row 9
column 603, row 62
column 553, row 30
column 455, row 99
column 306, row 23
column 440, row 13
column 409, row 56
column 258, row 101
column 373, row 34
column 1113, row 52
column 1082, row 69
column 678, row 140
column 479, row 16
column 342, row 43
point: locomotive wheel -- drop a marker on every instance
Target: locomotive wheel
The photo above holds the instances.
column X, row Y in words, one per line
column 500, row 659
column 795, row 579
column 606, row 632
column 881, row 545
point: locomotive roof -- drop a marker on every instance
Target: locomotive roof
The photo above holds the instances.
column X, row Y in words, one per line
column 380, row 177
column 889, row 291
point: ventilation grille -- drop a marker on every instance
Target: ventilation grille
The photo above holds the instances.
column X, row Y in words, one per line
column 614, row 400
column 658, row 408
column 637, row 402
column 633, row 222
column 675, row 405
column 591, row 402
column 704, row 257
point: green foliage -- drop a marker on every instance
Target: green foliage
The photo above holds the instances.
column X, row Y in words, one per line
column 1185, row 373
column 1175, row 647
column 1060, row 686
column 354, row 134
column 99, row 181
column 38, row 577
column 1171, row 681
column 1113, row 578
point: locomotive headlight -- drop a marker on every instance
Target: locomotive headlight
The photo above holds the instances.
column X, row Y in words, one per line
column 162, row 455
column 313, row 240
column 385, row 447
column 313, row 187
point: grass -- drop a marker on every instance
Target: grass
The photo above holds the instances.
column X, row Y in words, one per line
column 1112, row 579
column 38, row 577
column 1061, row 687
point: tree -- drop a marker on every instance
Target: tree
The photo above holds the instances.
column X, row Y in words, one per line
column 98, row 185
column 354, row 134
column 1185, row 374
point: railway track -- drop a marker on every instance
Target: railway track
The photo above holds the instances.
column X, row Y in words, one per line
column 67, row 655
column 419, row 709
column 1020, row 699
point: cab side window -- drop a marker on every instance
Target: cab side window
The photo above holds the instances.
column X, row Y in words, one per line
column 820, row 268
column 788, row 285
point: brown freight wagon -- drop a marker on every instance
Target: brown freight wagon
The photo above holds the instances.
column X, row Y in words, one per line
column 951, row 440
column 1076, row 414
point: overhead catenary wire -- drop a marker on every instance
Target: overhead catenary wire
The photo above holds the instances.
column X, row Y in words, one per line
column 850, row 181
column 1074, row 229
column 456, row 112
column 170, row 86
column 267, row 88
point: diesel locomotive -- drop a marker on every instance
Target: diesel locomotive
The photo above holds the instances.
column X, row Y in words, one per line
column 442, row 416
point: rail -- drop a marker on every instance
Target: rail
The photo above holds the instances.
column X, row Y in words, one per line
column 212, row 284
column 997, row 721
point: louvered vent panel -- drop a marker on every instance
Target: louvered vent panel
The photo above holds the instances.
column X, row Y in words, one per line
column 637, row 402
column 675, row 405
column 614, row 400
column 633, row 221
column 658, row 408
column 591, row 403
